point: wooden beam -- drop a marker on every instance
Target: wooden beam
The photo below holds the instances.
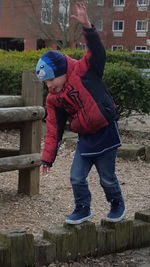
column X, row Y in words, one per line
column 7, row 101
column 32, row 89
column 18, row 114
column 20, row 162
column 30, row 142
column 30, row 133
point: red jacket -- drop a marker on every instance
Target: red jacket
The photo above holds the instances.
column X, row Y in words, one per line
column 84, row 99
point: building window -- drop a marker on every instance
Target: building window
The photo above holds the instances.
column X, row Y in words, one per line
column 114, row 47
column 82, row 46
column 118, row 26
column 141, row 26
column 100, row 2
column 119, row 5
column 119, row 2
column 139, row 48
column 46, row 11
column 63, row 18
column 99, row 25
column 142, row 3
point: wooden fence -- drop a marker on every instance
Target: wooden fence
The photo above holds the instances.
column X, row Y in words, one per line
column 24, row 112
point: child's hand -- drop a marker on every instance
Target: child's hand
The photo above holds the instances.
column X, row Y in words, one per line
column 81, row 16
column 44, row 168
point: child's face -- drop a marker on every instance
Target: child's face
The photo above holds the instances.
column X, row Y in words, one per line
column 55, row 85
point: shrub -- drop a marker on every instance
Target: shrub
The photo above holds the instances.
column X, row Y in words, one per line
column 140, row 60
column 10, row 80
column 129, row 88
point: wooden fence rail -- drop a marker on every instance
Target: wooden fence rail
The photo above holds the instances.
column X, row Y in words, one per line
column 24, row 113
column 20, row 162
column 17, row 114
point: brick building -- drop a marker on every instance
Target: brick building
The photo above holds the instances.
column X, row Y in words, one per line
column 33, row 24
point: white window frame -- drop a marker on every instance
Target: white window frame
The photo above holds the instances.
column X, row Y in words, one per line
column 143, row 4
column 99, row 23
column 83, row 46
column 46, row 11
column 142, row 30
column 114, row 30
column 144, row 46
column 100, row 2
column 64, row 11
column 117, row 47
column 117, row 4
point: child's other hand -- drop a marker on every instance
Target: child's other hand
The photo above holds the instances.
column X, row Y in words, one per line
column 81, row 16
column 44, row 168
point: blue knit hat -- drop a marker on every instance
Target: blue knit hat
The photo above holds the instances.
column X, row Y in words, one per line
column 52, row 64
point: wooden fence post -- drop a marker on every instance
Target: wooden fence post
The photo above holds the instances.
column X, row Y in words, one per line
column 30, row 133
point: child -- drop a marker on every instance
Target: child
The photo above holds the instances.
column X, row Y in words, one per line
column 76, row 91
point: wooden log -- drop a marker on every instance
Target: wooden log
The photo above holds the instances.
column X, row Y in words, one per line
column 20, row 244
column 143, row 215
column 7, row 101
column 131, row 151
column 30, row 142
column 30, row 133
column 86, row 238
column 141, row 234
column 20, row 162
column 105, row 240
column 18, row 114
column 45, row 252
column 65, row 241
column 32, row 89
column 123, row 233
column 22, row 248
column 147, row 154
column 5, row 260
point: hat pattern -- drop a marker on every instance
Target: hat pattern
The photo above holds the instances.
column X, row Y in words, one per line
column 52, row 64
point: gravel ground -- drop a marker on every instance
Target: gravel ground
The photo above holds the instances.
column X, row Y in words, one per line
column 55, row 200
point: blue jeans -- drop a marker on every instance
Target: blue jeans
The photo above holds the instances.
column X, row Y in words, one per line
column 105, row 166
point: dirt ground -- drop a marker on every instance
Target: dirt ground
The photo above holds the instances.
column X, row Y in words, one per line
column 55, row 200
column 130, row 258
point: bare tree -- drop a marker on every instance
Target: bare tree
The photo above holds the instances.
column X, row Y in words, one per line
column 51, row 20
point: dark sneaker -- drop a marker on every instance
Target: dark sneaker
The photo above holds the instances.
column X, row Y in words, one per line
column 117, row 211
column 79, row 215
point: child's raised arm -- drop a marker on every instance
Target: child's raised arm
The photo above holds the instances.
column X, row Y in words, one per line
column 82, row 16
column 98, row 56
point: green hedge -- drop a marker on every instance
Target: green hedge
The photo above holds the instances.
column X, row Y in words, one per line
column 130, row 89
column 139, row 59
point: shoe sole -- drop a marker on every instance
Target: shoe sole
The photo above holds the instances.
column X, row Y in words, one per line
column 78, row 221
column 116, row 219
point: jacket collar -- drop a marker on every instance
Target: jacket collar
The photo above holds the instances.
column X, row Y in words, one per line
column 70, row 65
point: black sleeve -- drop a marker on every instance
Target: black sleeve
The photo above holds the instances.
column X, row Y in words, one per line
column 49, row 164
column 62, row 117
column 98, row 54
